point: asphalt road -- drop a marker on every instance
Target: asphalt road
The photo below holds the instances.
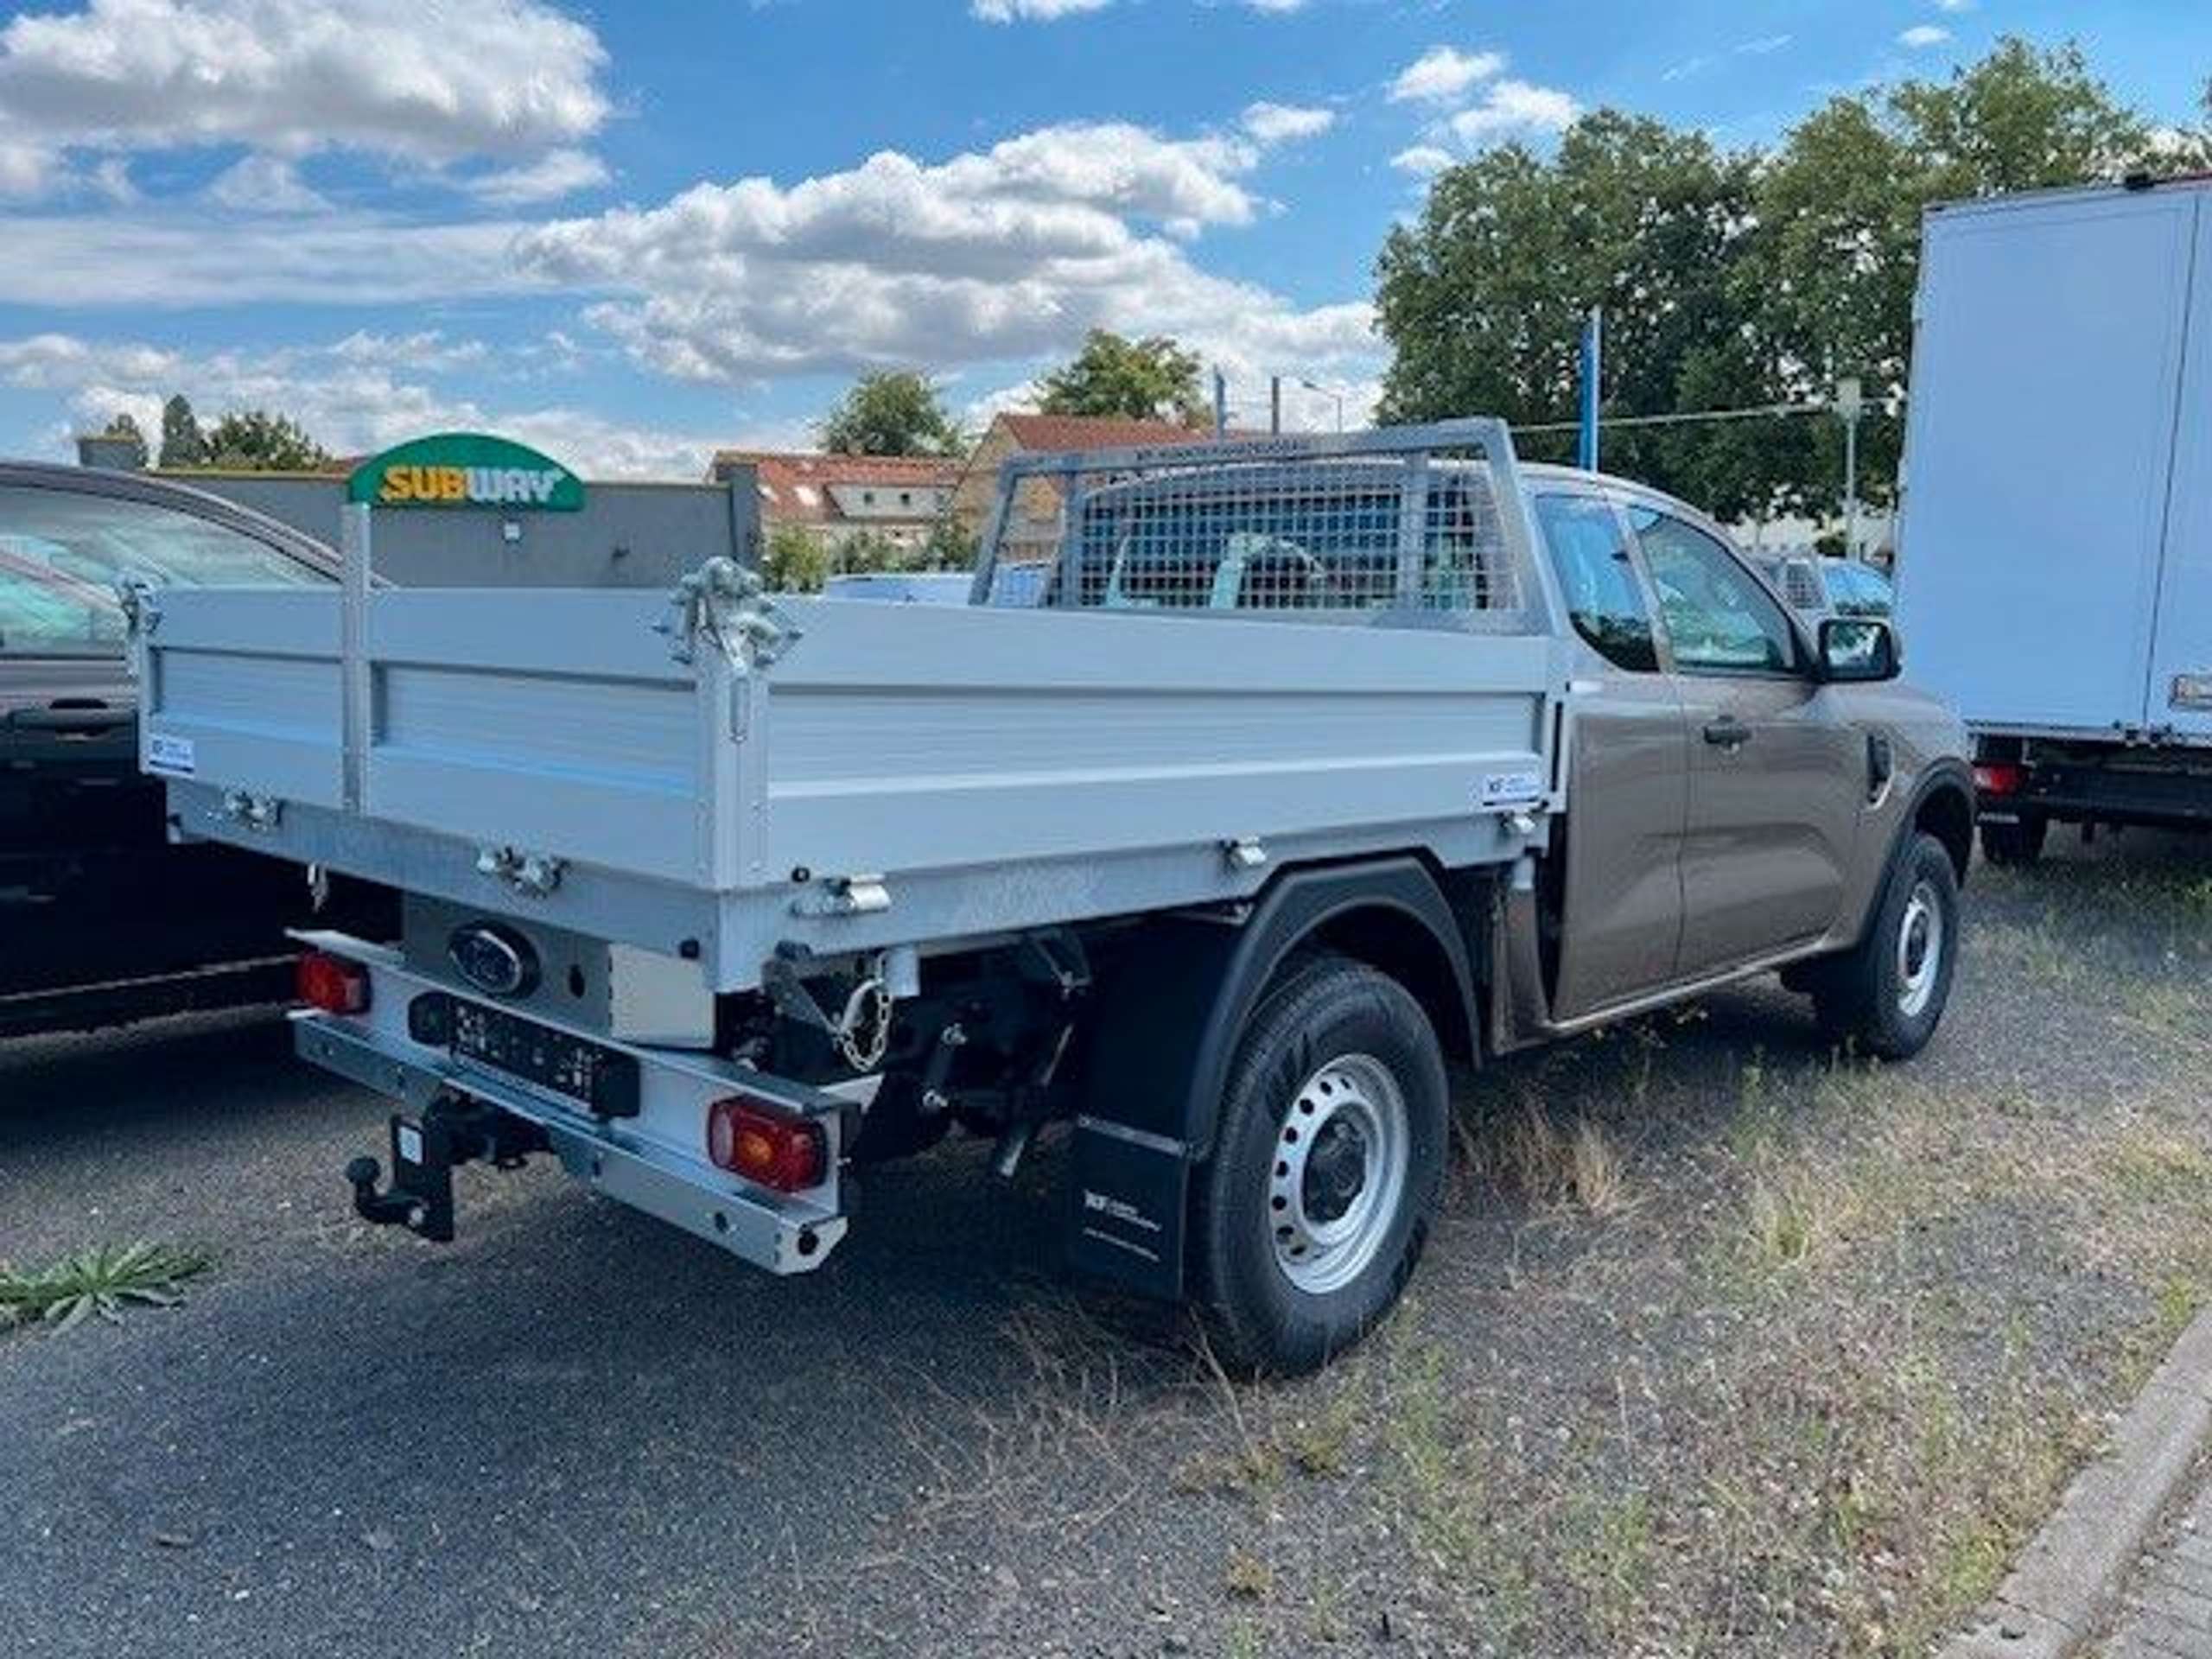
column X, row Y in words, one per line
column 576, row 1431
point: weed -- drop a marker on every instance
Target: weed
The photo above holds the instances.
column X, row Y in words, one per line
column 102, row 1280
column 1580, row 1165
column 1246, row 1576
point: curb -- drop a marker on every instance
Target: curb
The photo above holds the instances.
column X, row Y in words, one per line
column 2067, row 1584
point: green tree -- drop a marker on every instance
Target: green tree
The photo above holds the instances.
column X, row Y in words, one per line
column 792, row 561
column 1484, row 299
column 126, row 429
column 181, row 442
column 1840, row 209
column 892, row 413
column 255, row 441
column 1145, row 379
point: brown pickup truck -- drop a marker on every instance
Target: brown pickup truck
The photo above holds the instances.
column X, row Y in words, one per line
column 1284, row 773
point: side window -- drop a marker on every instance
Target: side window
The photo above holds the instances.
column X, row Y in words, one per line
column 1719, row 620
column 1603, row 598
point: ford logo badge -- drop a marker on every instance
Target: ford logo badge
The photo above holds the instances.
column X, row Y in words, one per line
column 494, row 959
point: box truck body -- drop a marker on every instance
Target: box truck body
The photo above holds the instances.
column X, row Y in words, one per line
column 2055, row 557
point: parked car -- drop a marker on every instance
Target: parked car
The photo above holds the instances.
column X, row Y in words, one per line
column 2055, row 552
column 102, row 919
column 1818, row 586
column 1318, row 765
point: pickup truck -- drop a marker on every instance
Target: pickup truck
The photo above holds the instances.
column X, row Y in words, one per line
column 1305, row 768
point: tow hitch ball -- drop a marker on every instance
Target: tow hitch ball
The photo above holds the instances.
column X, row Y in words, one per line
column 425, row 1151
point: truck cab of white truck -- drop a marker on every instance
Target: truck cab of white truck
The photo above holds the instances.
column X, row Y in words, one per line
column 1306, row 768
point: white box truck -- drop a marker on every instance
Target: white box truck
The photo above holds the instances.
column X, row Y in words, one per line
column 2054, row 558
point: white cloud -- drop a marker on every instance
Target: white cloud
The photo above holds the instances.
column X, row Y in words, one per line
column 1442, row 74
column 265, row 184
column 1511, row 108
column 1922, row 35
column 1008, row 11
column 355, row 395
column 557, row 173
column 417, row 80
column 1954, row 5
column 1763, row 44
column 994, row 257
column 1276, row 123
column 1423, row 159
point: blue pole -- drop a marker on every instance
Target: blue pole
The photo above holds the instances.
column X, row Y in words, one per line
column 1593, row 347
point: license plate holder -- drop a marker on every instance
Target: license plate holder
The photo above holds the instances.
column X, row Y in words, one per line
column 603, row 1080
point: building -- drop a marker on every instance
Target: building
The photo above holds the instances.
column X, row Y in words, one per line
column 1037, row 512
column 898, row 499
column 614, row 534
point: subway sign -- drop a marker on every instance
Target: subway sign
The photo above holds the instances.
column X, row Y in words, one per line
column 466, row 469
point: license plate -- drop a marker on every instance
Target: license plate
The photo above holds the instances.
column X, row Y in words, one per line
column 604, row 1080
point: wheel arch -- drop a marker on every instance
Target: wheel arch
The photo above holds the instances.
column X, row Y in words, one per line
column 1943, row 807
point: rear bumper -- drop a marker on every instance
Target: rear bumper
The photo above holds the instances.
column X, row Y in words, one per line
column 655, row 1162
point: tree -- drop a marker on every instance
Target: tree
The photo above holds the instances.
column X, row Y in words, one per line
column 255, row 441
column 892, row 413
column 1484, row 299
column 793, row 561
column 124, row 429
column 181, row 442
column 1145, row 379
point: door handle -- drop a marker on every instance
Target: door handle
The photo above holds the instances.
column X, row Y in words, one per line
column 1728, row 733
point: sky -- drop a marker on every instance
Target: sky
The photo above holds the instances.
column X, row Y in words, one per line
column 635, row 233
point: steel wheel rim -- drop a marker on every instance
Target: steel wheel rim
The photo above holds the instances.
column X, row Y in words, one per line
column 1339, row 1178
column 1919, row 950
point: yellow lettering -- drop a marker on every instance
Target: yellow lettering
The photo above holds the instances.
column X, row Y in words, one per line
column 453, row 484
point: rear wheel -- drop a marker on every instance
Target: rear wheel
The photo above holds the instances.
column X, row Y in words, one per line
column 1887, row 994
column 2014, row 843
column 1328, row 1163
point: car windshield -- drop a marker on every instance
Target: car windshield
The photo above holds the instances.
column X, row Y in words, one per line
column 63, row 551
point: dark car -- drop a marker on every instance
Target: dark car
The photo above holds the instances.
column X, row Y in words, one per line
column 101, row 919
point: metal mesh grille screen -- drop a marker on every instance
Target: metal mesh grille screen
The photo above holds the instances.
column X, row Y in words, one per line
column 1364, row 532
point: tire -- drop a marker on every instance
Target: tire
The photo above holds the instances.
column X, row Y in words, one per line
column 1327, row 1168
column 2014, row 844
column 1886, row 994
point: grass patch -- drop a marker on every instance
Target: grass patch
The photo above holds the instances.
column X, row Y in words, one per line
column 103, row 1279
column 1580, row 1165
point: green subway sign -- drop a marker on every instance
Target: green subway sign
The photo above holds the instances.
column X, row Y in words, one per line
column 466, row 469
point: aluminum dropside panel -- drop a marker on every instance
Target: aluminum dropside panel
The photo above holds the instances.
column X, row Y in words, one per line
column 2046, row 375
column 2180, row 690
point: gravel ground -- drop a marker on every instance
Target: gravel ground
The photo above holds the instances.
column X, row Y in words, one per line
column 1726, row 1344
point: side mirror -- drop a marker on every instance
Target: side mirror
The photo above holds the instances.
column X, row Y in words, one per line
column 1857, row 649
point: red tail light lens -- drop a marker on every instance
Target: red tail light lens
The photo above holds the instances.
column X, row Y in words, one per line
column 769, row 1145
column 332, row 984
column 1999, row 778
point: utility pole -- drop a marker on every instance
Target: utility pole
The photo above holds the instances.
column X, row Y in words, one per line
column 1593, row 350
column 1220, row 404
column 1274, row 405
column 1850, row 403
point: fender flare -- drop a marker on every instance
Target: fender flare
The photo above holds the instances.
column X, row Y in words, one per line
column 1948, row 773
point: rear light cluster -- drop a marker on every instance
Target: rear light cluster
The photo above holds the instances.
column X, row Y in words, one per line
column 332, row 984
column 1998, row 778
column 769, row 1145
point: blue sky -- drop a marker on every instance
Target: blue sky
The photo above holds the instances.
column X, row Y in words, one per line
column 634, row 234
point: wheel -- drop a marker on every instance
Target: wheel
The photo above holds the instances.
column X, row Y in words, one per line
column 2014, row 843
column 1887, row 993
column 1327, row 1166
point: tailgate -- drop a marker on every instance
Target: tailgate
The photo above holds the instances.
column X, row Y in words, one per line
column 551, row 720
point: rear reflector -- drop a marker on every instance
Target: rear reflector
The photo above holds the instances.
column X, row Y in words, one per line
column 2001, row 778
column 769, row 1145
column 332, row 984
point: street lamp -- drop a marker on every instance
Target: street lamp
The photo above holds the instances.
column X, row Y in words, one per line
column 1850, row 403
column 1335, row 393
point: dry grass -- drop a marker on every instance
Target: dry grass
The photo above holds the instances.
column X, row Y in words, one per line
column 1580, row 1166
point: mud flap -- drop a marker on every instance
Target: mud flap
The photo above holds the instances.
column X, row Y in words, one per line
column 1126, row 1190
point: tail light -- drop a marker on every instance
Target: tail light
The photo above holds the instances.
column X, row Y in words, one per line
column 769, row 1145
column 1998, row 778
column 332, row 984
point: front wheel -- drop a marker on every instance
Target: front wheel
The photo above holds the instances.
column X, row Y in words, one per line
column 1887, row 994
column 1327, row 1168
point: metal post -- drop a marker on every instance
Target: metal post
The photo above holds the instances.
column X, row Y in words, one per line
column 354, row 552
column 1274, row 405
column 1850, row 400
column 1593, row 349
column 1220, row 404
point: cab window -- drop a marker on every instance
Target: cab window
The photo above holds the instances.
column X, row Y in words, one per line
column 1719, row 620
column 1604, row 599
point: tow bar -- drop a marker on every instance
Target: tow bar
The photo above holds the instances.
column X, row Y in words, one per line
column 425, row 1151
